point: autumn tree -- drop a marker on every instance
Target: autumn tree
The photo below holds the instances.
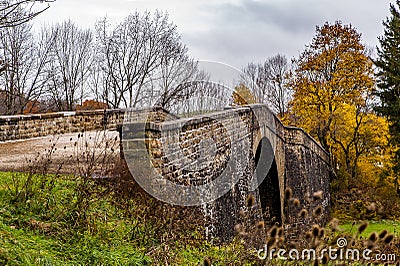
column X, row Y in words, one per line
column 332, row 70
column 388, row 64
column 332, row 83
column 358, row 133
column 92, row 105
column 243, row 95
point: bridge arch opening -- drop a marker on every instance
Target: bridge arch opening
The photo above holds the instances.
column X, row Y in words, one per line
column 267, row 171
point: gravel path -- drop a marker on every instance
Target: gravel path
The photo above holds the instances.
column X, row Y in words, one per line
column 17, row 155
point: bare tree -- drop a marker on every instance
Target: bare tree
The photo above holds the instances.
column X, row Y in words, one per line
column 71, row 60
column 176, row 69
column 99, row 75
column 23, row 76
column 273, row 81
column 132, row 53
column 250, row 79
column 15, row 13
column 96, row 78
column 269, row 82
column 10, row 15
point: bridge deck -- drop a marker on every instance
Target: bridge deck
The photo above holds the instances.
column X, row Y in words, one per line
column 15, row 155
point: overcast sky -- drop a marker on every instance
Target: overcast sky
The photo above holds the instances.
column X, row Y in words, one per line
column 236, row 31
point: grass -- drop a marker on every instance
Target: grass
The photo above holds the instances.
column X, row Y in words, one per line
column 373, row 226
column 24, row 247
column 31, row 236
column 47, row 229
column 43, row 221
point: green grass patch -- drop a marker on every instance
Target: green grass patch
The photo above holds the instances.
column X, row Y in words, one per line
column 373, row 226
column 24, row 247
column 64, row 220
column 38, row 225
column 67, row 220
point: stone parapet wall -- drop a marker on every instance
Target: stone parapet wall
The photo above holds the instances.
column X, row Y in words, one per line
column 297, row 136
column 203, row 142
column 181, row 151
column 39, row 125
column 307, row 172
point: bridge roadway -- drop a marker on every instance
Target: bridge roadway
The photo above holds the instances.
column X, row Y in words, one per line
column 15, row 155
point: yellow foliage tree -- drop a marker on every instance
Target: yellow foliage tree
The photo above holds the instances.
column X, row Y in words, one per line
column 242, row 95
column 357, row 136
column 333, row 70
column 332, row 83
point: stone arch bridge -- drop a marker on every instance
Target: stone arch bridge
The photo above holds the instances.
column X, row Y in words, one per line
column 278, row 158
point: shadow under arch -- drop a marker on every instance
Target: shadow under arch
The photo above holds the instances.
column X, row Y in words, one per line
column 269, row 192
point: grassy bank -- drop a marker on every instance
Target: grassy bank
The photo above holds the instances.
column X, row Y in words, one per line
column 373, row 226
column 69, row 220
column 41, row 224
column 43, row 221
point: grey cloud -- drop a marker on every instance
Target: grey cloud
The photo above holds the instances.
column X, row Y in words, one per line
column 242, row 45
column 238, row 31
column 290, row 17
column 253, row 30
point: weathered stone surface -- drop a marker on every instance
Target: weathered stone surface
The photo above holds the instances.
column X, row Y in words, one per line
column 299, row 163
column 194, row 151
column 39, row 125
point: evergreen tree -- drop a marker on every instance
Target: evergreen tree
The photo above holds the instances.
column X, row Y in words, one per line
column 388, row 63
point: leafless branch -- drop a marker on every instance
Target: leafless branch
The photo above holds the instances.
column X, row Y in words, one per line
column 10, row 11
